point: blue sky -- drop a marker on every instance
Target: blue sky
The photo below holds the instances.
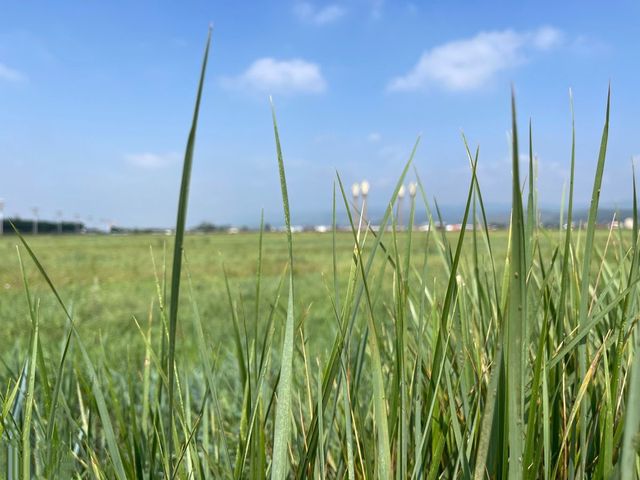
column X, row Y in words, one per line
column 96, row 100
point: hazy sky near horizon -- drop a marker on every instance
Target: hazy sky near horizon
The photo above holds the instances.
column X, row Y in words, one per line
column 96, row 100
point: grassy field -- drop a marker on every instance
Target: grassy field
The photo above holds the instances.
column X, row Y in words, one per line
column 111, row 279
column 365, row 355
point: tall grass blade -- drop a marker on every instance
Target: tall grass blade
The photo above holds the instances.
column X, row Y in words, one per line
column 282, row 427
column 178, row 247
column 628, row 467
column 516, row 315
column 585, row 280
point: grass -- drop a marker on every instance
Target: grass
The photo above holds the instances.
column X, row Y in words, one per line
column 110, row 279
column 388, row 354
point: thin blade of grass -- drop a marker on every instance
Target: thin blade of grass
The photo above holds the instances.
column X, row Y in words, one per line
column 584, row 283
column 29, row 402
column 516, row 316
column 631, row 436
column 282, row 426
column 179, row 245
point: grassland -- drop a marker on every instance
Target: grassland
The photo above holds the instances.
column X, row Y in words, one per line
column 478, row 355
column 111, row 279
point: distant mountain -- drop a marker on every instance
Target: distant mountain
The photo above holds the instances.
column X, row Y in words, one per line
column 496, row 214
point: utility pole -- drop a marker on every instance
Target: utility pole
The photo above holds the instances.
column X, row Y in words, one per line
column 35, row 220
column 107, row 224
column 59, row 214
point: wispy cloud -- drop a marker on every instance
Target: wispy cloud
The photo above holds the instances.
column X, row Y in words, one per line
column 10, row 74
column 309, row 13
column 280, row 76
column 588, row 46
column 470, row 63
column 152, row 161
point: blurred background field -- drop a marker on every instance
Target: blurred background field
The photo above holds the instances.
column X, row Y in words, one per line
column 110, row 279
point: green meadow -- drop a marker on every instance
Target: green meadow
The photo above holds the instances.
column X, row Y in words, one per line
column 111, row 279
column 361, row 354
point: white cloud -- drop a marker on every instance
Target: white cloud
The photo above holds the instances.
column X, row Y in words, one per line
column 11, row 75
column 307, row 12
column 546, row 38
column 470, row 63
column 151, row 160
column 280, row 76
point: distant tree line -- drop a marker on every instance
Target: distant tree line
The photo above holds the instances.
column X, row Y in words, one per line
column 25, row 226
column 127, row 230
column 207, row 227
column 204, row 227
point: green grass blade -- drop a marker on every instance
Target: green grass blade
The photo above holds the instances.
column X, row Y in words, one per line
column 282, row 427
column 178, row 247
column 567, row 240
column 631, row 437
column 593, row 212
column 321, row 459
column 348, row 428
column 484, row 441
column 516, row 316
column 28, row 405
column 584, row 284
column 531, row 203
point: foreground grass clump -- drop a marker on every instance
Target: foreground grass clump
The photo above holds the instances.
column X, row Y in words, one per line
column 515, row 366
